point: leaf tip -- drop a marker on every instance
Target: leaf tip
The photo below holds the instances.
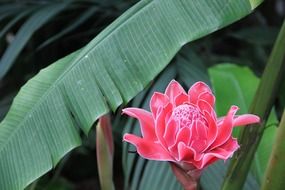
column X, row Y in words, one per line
column 255, row 3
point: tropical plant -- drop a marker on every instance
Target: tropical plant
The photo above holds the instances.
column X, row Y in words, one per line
column 55, row 110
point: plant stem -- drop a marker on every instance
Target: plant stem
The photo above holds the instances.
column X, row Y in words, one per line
column 105, row 152
column 261, row 106
column 274, row 175
column 189, row 179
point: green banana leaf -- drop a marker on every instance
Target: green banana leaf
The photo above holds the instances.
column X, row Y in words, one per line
column 44, row 121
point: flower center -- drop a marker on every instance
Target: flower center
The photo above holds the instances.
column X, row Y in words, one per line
column 186, row 114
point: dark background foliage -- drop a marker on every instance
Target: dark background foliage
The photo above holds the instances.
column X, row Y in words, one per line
column 247, row 42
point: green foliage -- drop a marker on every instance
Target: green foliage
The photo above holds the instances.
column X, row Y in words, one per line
column 241, row 87
column 261, row 106
column 41, row 125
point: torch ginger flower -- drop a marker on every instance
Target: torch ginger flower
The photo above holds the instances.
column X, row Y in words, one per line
column 183, row 128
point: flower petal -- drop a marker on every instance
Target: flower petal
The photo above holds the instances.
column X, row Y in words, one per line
column 180, row 99
column 185, row 153
column 246, row 119
column 197, row 89
column 204, row 163
column 212, row 129
column 184, row 136
column 160, row 125
column 202, row 130
column 148, row 149
column 198, row 145
column 223, row 152
column 225, row 128
column 205, row 106
column 174, row 89
column 170, row 132
column 158, row 100
column 146, row 122
column 208, row 97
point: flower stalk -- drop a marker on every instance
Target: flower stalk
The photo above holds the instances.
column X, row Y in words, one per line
column 188, row 179
column 105, row 152
column 274, row 175
column 261, row 106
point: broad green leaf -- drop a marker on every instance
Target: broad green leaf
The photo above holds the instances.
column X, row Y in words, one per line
column 35, row 138
column 234, row 85
column 42, row 124
column 37, row 20
column 240, row 87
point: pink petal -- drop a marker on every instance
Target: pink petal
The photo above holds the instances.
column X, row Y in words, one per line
column 202, row 164
column 202, row 130
column 148, row 149
column 225, row 129
column 183, row 135
column 174, row 151
column 208, row 97
column 185, row 153
column 198, row 145
column 205, row 106
column 170, row 133
column 174, row 89
column 212, row 129
column 194, row 131
column 231, row 145
column 160, row 126
column 198, row 139
column 246, row 119
column 157, row 100
column 180, row 99
column 146, row 122
column 197, row 89
column 168, row 110
column 223, row 152
column 199, row 130
column 220, row 120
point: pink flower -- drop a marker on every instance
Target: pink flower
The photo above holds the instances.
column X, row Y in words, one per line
column 183, row 128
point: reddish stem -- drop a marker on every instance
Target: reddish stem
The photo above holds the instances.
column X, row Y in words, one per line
column 188, row 178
